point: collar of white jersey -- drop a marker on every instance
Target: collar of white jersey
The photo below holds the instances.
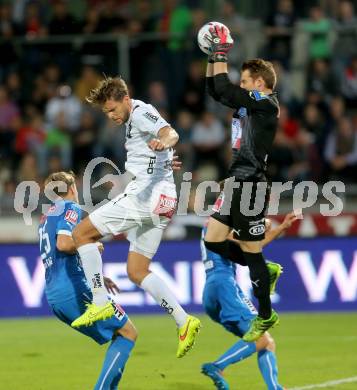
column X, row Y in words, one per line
column 134, row 106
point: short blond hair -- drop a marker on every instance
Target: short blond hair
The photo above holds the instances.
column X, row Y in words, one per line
column 69, row 178
column 108, row 89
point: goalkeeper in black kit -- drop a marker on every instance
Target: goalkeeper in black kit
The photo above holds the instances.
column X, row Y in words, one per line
column 241, row 205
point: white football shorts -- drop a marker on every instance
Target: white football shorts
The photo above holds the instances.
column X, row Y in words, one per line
column 143, row 210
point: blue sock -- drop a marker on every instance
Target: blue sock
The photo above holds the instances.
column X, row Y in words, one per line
column 269, row 369
column 239, row 351
column 114, row 363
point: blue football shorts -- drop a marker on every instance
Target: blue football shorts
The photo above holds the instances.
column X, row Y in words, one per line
column 100, row 331
column 225, row 303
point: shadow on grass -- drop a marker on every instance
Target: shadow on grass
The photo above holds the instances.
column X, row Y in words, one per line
column 31, row 354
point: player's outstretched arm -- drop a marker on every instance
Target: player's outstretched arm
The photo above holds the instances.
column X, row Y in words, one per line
column 220, row 49
column 218, row 84
column 209, row 69
column 272, row 234
column 167, row 138
column 210, row 79
column 225, row 91
column 234, row 96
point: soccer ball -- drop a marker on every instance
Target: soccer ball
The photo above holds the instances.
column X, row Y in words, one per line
column 204, row 35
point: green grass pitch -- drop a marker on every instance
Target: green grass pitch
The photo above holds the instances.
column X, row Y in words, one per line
column 44, row 354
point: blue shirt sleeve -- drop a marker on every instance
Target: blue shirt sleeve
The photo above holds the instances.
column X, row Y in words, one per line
column 69, row 219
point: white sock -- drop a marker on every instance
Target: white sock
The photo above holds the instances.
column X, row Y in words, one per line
column 92, row 266
column 157, row 288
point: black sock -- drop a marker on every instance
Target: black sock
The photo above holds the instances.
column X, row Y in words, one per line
column 227, row 249
column 259, row 275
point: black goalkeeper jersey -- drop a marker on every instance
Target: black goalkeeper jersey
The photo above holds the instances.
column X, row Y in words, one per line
column 254, row 125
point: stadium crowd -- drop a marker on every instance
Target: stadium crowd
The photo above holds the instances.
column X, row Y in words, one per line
column 46, row 125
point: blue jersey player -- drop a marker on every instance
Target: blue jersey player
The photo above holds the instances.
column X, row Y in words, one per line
column 66, row 288
column 225, row 303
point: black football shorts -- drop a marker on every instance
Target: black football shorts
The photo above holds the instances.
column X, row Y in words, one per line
column 242, row 206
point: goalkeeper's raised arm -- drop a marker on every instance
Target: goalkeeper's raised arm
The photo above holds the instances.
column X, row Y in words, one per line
column 217, row 60
column 261, row 81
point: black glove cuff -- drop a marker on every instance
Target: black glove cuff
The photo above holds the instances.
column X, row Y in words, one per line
column 220, row 57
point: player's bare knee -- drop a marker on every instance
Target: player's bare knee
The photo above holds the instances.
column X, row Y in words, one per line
column 128, row 331
column 133, row 277
column 271, row 346
column 137, row 267
column 136, row 274
column 263, row 342
column 131, row 334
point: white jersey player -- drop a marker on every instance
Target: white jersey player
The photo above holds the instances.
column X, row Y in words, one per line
column 144, row 123
column 143, row 210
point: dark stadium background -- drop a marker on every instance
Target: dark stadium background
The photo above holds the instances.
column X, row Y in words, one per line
column 53, row 52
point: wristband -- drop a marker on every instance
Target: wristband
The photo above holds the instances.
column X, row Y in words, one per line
column 220, row 57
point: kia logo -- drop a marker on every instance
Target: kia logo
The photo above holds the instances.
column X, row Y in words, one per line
column 256, row 230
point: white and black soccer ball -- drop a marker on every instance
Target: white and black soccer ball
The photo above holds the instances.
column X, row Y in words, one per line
column 204, row 35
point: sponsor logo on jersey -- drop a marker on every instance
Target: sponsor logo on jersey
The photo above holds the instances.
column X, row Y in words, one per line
column 153, row 118
column 150, row 169
column 166, row 206
column 260, row 221
column 71, row 216
column 257, row 230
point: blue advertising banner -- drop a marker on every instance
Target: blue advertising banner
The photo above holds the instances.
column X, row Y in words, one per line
column 320, row 274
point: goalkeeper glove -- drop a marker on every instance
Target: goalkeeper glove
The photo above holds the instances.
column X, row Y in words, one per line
column 219, row 45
